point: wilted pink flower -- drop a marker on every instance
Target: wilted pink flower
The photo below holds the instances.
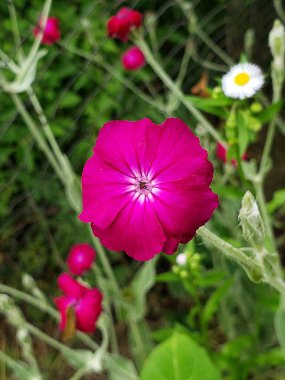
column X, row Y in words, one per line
column 133, row 58
column 221, row 153
column 51, row 32
column 146, row 187
column 80, row 258
column 86, row 303
column 120, row 25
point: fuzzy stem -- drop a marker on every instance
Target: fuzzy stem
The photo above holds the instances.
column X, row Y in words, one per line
column 231, row 252
column 37, row 135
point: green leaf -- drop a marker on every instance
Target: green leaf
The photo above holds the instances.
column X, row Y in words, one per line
column 70, row 100
column 213, row 302
column 210, row 105
column 270, row 112
column 120, row 368
column 279, row 322
column 179, row 358
column 277, row 202
column 141, row 284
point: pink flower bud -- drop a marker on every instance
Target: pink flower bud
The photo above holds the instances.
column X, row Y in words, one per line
column 80, row 258
column 51, row 32
column 133, row 59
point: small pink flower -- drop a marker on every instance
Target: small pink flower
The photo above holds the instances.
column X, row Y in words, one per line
column 146, row 187
column 80, row 258
column 51, row 32
column 87, row 303
column 221, row 154
column 120, row 25
column 133, row 58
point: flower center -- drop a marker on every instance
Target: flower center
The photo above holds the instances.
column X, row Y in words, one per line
column 142, row 186
column 242, row 79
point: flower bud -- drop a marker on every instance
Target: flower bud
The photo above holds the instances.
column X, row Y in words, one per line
column 277, row 42
column 256, row 107
column 181, row 259
column 133, row 59
column 250, row 218
column 80, row 258
column 277, row 47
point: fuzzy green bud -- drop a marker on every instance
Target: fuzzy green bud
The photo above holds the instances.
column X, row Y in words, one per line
column 277, row 42
column 250, row 219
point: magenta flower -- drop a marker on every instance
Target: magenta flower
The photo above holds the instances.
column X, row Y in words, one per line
column 133, row 58
column 80, row 258
column 86, row 303
column 51, row 32
column 120, row 25
column 146, row 187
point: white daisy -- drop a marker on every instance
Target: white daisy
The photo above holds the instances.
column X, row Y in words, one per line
column 242, row 81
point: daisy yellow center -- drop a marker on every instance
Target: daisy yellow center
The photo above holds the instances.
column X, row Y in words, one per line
column 242, row 79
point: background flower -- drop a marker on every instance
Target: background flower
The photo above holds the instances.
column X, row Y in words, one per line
column 87, row 303
column 133, row 58
column 146, row 187
column 242, row 81
column 120, row 25
column 51, row 32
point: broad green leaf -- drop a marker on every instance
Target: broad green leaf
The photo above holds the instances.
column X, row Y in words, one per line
column 179, row 358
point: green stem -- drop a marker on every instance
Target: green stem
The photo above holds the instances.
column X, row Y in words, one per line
column 37, row 135
column 45, row 125
column 231, row 252
column 48, row 339
column 29, row 299
column 57, row 166
column 45, row 308
column 78, row 374
column 15, row 29
column 105, row 262
column 139, row 349
column 115, row 73
column 13, row 364
column 108, row 310
column 279, row 9
column 267, row 148
column 175, row 89
column 258, row 185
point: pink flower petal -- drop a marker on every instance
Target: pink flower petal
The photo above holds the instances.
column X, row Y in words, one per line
column 136, row 230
